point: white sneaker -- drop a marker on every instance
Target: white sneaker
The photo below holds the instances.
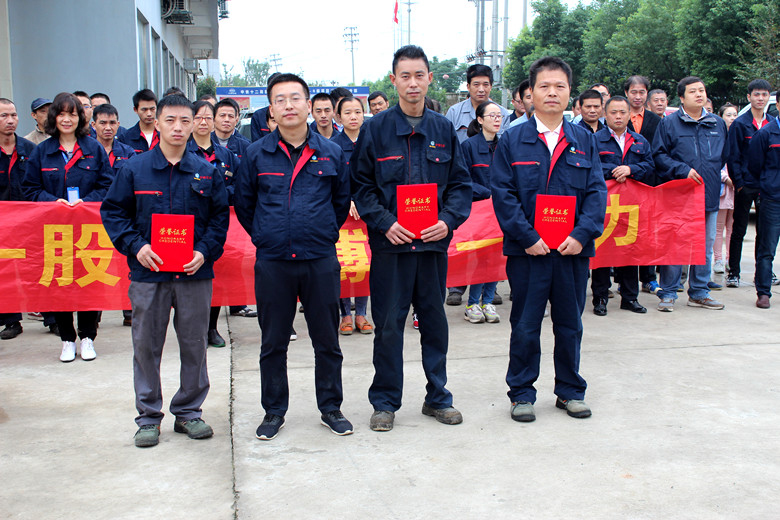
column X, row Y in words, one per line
column 489, row 311
column 87, row 350
column 718, row 266
column 474, row 314
column 68, row 351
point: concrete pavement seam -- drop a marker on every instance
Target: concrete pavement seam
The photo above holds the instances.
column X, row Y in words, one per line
column 230, row 418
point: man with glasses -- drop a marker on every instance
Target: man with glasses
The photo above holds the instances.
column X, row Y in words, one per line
column 292, row 196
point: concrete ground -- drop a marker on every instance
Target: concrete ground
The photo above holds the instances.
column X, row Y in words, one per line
column 684, row 425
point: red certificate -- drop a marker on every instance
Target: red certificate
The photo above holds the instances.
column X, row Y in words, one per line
column 418, row 206
column 173, row 239
column 554, row 218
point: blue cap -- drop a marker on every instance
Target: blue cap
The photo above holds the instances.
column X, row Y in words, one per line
column 39, row 102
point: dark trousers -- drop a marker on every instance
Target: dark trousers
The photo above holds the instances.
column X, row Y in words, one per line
column 767, row 245
column 278, row 285
column 398, row 280
column 646, row 274
column 626, row 276
column 534, row 280
column 743, row 200
column 10, row 318
column 152, row 304
column 87, row 325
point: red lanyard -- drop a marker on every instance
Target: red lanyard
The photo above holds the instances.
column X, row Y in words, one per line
column 77, row 154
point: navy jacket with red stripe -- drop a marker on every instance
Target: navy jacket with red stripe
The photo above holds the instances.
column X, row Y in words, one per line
column 764, row 160
column 46, row 178
column 741, row 132
column 132, row 137
column 11, row 181
column 147, row 183
column 478, row 157
column 520, row 171
column 638, row 156
column 293, row 211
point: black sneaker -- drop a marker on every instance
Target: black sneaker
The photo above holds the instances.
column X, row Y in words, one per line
column 732, row 280
column 270, row 427
column 454, row 298
column 215, row 340
column 11, row 331
column 337, row 423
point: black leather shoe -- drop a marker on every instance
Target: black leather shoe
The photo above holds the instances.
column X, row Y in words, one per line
column 215, row 340
column 14, row 329
column 600, row 307
column 633, row 306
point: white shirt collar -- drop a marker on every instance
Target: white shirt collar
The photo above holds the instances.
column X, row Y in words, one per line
column 551, row 136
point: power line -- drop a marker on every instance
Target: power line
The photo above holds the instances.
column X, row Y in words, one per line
column 276, row 61
column 351, row 38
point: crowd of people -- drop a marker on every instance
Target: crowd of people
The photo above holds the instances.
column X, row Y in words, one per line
column 184, row 158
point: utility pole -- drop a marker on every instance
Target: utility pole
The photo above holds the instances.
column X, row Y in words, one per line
column 351, row 38
column 409, row 21
column 505, row 91
column 276, row 61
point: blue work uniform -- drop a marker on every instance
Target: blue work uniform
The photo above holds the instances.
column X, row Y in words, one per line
column 133, row 138
column 292, row 202
column 119, row 152
column 522, row 169
column 391, row 153
column 223, row 159
column 638, row 156
column 259, row 126
column 236, row 143
column 336, row 132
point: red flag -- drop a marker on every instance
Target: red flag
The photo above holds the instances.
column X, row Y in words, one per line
column 395, row 12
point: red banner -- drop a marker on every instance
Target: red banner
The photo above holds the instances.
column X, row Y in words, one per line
column 58, row 258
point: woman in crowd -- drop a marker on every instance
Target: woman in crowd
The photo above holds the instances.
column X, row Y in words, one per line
column 69, row 168
column 478, row 153
column 349, row 113
column 726, row 212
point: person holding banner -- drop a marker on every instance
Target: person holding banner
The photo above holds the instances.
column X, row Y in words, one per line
column 172, row 185
column 69, row 168
column 692, row 143
column 624, row 155
column 408, row 148
column 292, row 197
column 550, row 199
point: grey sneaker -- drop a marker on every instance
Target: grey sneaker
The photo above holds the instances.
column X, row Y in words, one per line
column 447, row 415
column 454, row 298
column 574, row 407
column 523, row 411
column 474, row 314
column 147, row 435
column 489, row 311
column 707, row 303
column 382, row 420
column 194, row 428
column 666, row 305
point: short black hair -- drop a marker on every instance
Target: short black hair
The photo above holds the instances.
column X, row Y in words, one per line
column 174, row 100
column 548, row 63
column 268, row 115
column 410, row 52
column 574, row 101
column 65, row 102
column 348, row 99
column 175, row 91
column 727, row 105
column 688, row 80
column 228, row 102
column 617, row 98
column 635, row 80
column 759, row 84
column 599, row 85
column 590, row 94
column 100, row 95
column 375, row 94
column 322, row 96
column 81, row 93
column 339, row 92
column 474, row 127
column 6, row 101
column 479, row 70
column 287, row 78
column 143, row 95
column 203, row 103
column 206, row 97
column 106, row 109
column 524, row 85
column 432, row 104
column 271, row 78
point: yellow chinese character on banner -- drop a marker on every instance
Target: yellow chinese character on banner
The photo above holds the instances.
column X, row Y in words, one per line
column 96, row 272
column 614, row 209
column 52, row 244
column 353, row 254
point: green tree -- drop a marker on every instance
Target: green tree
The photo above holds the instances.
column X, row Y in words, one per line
column 207, row 85
column 515, row 70
column 759, row 52
column 232, row 80
column 256, row 72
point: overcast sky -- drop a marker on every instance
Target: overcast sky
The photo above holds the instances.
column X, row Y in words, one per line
column 308, row 35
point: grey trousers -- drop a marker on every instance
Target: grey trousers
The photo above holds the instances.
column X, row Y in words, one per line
column 152, row 302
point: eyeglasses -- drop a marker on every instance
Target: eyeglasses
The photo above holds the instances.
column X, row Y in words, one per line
column 282, row 101
column 495, row 117
column 203, row 118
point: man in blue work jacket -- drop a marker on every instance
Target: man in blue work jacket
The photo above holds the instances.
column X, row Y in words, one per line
column 14, row 152
column 143, row 136
column 168, row 180
column 408, row 144
column 764, row 166
column 292, row 197
column 225, row 121
column 624, row 154
column 547, row 155
column 692, row 144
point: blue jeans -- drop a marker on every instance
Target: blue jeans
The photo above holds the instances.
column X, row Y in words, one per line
column 698, row 275
column 486, row 291
column 345, row 306
column 769, row 222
